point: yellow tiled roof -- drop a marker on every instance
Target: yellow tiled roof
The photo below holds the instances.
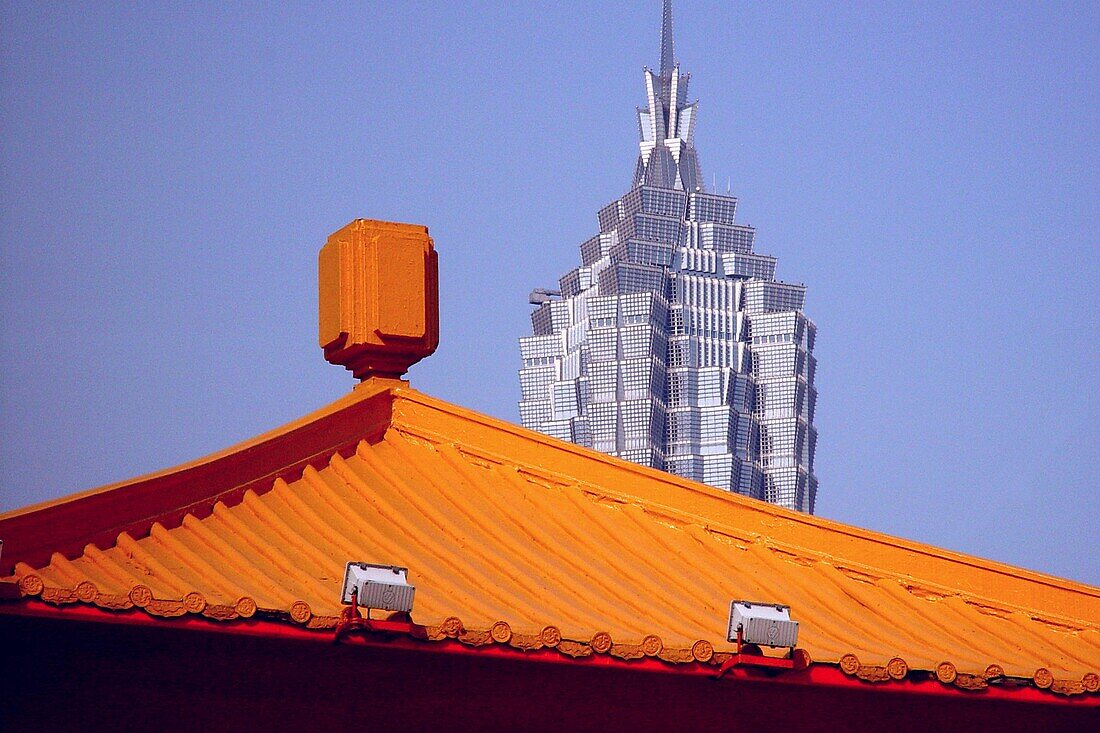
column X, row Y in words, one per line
column 496, row 523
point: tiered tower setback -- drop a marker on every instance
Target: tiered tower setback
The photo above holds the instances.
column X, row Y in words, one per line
column 672, row 344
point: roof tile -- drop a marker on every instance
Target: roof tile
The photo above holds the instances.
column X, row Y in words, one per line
column 531, row 541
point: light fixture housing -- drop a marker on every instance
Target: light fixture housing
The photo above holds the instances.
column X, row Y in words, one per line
column 763, row 624
column 383, row 587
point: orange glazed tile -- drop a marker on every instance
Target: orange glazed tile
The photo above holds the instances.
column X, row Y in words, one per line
column 538, row 543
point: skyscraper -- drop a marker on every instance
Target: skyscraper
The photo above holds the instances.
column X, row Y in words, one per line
column 672, row 344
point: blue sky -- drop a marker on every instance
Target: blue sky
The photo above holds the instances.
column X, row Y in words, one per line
column 930, row 171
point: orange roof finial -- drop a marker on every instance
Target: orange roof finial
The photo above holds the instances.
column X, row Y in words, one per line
column 379, row 297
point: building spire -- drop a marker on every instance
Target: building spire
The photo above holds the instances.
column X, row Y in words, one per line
column 668, row 61
column 667, row 156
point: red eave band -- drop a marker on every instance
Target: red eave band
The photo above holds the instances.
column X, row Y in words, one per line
column 818, row 674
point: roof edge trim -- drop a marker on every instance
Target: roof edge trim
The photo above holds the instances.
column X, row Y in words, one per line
column 98, row 516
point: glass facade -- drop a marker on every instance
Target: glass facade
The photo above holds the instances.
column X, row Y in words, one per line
column 672, row 344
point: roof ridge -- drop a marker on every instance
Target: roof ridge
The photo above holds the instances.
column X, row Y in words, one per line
column 679, row 517
column 842, row 564
column 402, row 423
column 97, row 516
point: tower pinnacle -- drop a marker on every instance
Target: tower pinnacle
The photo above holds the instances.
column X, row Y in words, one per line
column 667, row 156
column 668, row 52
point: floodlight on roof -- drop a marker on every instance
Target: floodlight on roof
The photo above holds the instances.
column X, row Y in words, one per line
column 382, row 587
column 764, row 624
column 753, row 625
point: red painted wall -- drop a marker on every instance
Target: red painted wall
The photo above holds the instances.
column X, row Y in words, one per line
column 68, row 675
